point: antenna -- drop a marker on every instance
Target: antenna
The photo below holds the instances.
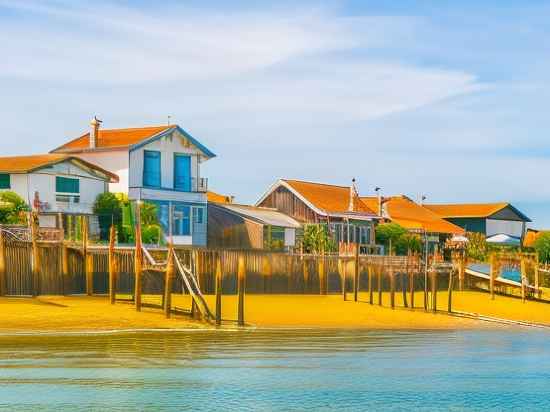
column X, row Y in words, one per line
column 169, row 117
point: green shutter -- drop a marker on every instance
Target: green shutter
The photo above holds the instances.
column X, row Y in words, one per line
column 67, row 185
column 5, row 182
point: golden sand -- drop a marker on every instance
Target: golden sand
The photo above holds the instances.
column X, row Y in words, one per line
column 81, row 313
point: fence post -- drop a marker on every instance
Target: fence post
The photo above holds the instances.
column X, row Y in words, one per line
column 138, row 259
column 218, row 290
column 2, row 264
column 403, row 277
column 168, row 277
column 461, row 270
column 357, row 273
column 241, row 285
column 35, row 255
column 342, row 271
column 112, row 266
column 537, row 279
column 379, row 270
column 88, row 263
column 64, row 264
column 322, row 281
column 450, row 293
column 305, row 270
column 523, row 278
column 392, row 287
column 493, row 270
column 434, row 290
column 371, row 297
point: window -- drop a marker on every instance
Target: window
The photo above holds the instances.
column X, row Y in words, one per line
column 151, row 169
column 198, row 215
column 67, row 185
column 5, row 182
column 182, row 221
column 182, row 172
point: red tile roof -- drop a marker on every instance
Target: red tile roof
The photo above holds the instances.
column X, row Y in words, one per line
column 112, row 138
column 27, row 164
column 329, row 198
column 411, row 215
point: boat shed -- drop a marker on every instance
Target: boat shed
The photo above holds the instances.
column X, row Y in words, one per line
column 234, row 226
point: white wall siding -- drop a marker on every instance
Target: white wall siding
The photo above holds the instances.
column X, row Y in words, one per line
column 507, row 227
column 116, row 162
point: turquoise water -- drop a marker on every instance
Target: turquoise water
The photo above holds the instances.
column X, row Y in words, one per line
column 278, row 371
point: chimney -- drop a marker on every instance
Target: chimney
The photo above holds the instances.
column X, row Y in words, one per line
column 352, row 192
column 94, row 132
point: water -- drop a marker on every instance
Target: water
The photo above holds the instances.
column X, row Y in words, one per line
column 509, row 273
column 278, row 371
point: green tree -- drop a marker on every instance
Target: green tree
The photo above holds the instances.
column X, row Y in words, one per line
column 542, row 246
column 108, row 208
column 477, row 247
column 317, row 239
column 389, row 234
column 12, row 209
column 408, row 242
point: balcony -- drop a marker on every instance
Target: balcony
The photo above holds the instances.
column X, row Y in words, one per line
column 199, row 184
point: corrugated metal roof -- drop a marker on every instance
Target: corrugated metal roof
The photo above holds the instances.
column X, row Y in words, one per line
column 262, row 215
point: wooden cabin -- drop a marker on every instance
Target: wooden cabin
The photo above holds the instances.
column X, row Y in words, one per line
column 232, row 226
column 348, row 218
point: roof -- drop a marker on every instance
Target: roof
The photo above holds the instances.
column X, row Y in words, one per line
column 411, row 215
column 217, row 198
column 327, row 199
column 504, row 239
column 128, row 138
column 28, row 164
column 263, row 215
column 472, row 210
column 531, row 237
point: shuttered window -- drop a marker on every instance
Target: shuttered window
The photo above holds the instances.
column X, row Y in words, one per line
column 5, row 182
column 67, row 185
column 151, row 168
column 182, row 172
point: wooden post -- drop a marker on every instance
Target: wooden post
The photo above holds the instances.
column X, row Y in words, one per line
column 138, row 259
column 403, row 278
column 322, row 275
column 371, row 297
column 267, row 271
column 168, row 278
column 392, row 288
column 379, row 270
column 493, row 270
column 241, row 285
column 88, row 260
column 2, row 264
column 450, row 291
column 305, row 271
column 35, row 255
column 356, row 278
column 461, row 271
column 434, row 290
column 411, row 287
column 218, row 290
column 112, row 264
column 537, row 279
column 342, row 269
column 523, row 278
column 64, row 265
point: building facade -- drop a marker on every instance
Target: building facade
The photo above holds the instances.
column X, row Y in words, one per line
column 159, row 165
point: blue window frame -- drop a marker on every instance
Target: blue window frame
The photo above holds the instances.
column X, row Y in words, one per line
column 151, row 169
column 182, row 221
column 5, row 181
column 182, row 172
column 198, row 215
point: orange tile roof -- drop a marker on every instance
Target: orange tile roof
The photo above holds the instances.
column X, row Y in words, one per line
column 531, row 237
column 112, row 138
column 217, row 198
column 411, row 215
column 27, row 164
column 467, row 209
column 329, row 198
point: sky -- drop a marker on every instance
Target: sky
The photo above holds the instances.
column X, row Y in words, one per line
column 443, row 99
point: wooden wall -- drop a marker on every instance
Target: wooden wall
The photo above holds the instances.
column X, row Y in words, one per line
column 229, row 231
column 285, row 201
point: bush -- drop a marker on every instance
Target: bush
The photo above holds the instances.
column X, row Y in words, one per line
column 12, row 209
column 408, row 242
column 317, row 240
column 387, row 233
column 542, row 246
column 108, row 208
column 477, row 247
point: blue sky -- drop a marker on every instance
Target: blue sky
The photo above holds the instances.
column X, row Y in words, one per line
column 444, row 99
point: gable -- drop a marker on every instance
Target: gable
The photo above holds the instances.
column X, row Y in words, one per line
column 510, row 213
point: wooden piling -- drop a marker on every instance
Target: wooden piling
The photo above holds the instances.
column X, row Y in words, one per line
column 168, row 279
column 305, row 272
column 461, row 270
column 356, row 278
column 112, row 266
column 371, row 297
column 403, row 278
column 267, row 272
column 493, row 271
column 537, row 278
column 241, row 285
column 35, row 255
column 322, row 276
column 434, row 290
column 523, row 279
column 392, row 288
column 2, row 264
column 379, row 273
column 450, row 291
column 88, row 261
column 64, row 264
column 218, row 290
column 342, row 269
column 138, row 259
column 411, row 288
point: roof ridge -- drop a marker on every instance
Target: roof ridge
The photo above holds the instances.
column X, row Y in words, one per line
column 315, row 183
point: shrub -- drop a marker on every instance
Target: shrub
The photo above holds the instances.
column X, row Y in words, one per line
column 317, row 240
column 477, row 247
column 542, row 246
column 12, row 209
column 108, row 208
column 389, row 233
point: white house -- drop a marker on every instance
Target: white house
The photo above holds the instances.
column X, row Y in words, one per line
column 158, row 164
column 55, row 185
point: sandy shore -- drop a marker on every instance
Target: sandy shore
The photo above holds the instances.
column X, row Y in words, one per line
column 81, row 313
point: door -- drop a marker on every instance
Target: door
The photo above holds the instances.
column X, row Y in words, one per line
column 182, row 172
